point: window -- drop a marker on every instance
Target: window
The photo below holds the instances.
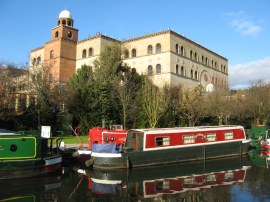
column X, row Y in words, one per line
column 38, row 60
column 196, row 75
column 228, row 135
column 188, row 139
column 69, row 23
column 176, row 48
column 195, row 56
column 228, row 176
column 182, row 71
column 162, row 141
column 191, row 55
column 70, row 35
column 191, row 74
column 56, row 35
column 149, row 50
column 133, row 52
column 177, row 70
column 91, row 52
column 211, row 178
column 211, row 137
column 206, row 61
column 64, row 22
column 51, row 54
column 84, row 53
column 202, row 59
column 150, row 70
column 182, row 51
column 158, row 48
column 158, row 69
column 34, row 62
column 58, row 23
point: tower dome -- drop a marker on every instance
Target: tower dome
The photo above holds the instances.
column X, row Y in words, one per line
column 65, row 14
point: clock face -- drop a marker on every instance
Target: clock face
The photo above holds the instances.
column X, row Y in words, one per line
column 70, row 35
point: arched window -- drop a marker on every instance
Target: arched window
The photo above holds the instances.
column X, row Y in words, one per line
column 177, row 70
column 69, row 23
column 212, row 63
column 70, row 35
column 133, row 52
column 182, row 71
column 182, row 51
column 149, row 50
column 56, row 35
column 195, row 56
column 158, row 48
column 51, row 54
column 225, row 69
column 150, row 70
column 34, row 61
column 58, row 23
column 176, row 48
column 206, row 61
column 84, row 53
column 64, row 22
column 38, row 60
column 191, row 55
column 221, row 67
column 91, row 52
column 191, row 74
column 196, row 75
column 158, row 69
column 202, row 59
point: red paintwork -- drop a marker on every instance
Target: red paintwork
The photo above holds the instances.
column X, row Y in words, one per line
column 52, row 168
column 172, row 185
column 177, row 137
column 104, row 136
column 265, row 147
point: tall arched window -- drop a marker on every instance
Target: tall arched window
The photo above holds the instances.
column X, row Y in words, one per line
column 149, row 50
column 191, row 74
column 206, row 61
column 191, row 55
column 182, row 71
column 34, row 61
column 195, row 56
column 177, row 70
column 176, row 48
column 196, row 75
column 202, row 59
column 64, row 22
column 51, row 54
column 56, row 35
column 158, row 69
column 158, row 48
column 84, row 53
column 133, row 52
column 38, row 60
column 91, row 52
column 212, row 63
column 182, row 51
column 150, row 70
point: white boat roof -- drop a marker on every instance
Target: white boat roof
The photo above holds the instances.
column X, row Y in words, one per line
column 188, row 129
column 6, row 132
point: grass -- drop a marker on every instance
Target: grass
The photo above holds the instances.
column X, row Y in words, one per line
column 75, row 140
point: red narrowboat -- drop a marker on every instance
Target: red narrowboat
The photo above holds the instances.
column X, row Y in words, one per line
column 148, row 147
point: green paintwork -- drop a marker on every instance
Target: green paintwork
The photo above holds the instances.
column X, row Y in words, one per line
column 257, row 132
column 18, row 147
column 19, row 199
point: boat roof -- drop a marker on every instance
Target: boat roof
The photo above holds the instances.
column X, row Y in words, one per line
column 187, row 129
column 6, row 132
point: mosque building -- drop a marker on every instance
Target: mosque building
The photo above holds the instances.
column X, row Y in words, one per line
column 166, row 57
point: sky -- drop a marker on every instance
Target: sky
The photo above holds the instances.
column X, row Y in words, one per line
column 239, row 30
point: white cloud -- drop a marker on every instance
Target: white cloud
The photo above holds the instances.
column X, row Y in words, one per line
column 242, row 75
column 243, row 23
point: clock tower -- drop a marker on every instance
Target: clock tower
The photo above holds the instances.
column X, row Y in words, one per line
column 60, row 52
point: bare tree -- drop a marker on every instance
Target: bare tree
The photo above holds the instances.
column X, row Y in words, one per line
column 154, row 102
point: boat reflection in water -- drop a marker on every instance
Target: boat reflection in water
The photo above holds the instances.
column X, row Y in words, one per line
column 31, row 189
column 166, row 181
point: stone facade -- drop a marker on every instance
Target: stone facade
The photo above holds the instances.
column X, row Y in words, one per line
column 167, row 57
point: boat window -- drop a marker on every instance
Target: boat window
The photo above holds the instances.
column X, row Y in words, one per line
column 188, row 139
column 162, row 141
column 229, row 176
column 211, row 137
column 228, row 135
column 188, row 182
column 211, row 178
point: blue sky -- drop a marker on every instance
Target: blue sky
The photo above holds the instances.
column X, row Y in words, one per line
column 236, row 29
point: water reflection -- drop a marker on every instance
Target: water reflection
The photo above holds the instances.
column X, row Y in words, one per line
column 232, row 179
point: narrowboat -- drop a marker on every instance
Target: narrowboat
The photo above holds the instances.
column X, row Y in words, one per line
column 155, row 182
column 26, row 155
column 152, row 147
column 259, row 135
column 102, row 136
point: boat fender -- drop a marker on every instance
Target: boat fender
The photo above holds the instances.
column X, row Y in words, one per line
column 13, row 147
column 90, row 162
column 112, row 138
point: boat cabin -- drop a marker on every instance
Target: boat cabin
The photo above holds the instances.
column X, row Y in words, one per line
column 165, row 138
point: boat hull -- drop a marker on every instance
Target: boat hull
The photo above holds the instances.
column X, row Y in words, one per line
column 169, row 156
column 10, row 169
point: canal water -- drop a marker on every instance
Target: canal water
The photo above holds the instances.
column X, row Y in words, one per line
column 243, row 178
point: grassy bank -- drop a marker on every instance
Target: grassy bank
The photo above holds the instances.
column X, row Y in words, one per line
column 75, row 140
